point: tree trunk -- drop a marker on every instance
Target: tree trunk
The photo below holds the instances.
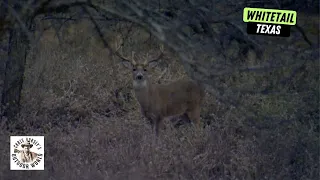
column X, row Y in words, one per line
column 14, row 73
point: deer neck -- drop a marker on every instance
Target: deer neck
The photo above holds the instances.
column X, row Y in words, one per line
column 143, row 93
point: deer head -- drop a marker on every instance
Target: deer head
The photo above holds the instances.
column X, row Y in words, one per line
column 140, row 70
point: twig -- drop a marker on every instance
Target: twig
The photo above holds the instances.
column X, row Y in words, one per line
column 22, row 24
column 303, row 34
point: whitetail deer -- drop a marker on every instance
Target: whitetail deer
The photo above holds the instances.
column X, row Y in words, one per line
column 160, row 101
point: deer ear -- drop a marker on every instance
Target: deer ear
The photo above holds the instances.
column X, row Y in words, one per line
column 127, row 64
column 153, row 63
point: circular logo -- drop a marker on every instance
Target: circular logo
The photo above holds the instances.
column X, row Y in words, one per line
column 27, row 153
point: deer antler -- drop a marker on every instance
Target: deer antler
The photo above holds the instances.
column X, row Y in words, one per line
column 157, row 58
column 125, row 58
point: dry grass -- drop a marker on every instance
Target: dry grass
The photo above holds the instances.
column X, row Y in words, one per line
column 80, row 99
column 122, row 148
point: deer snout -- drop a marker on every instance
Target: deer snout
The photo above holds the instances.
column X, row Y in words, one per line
column 139, row 77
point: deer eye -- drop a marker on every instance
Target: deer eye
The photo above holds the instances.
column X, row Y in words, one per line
column 134, row 69
column 145, row 69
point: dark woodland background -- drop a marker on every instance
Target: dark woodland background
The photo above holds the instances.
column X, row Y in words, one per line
column 59, row 78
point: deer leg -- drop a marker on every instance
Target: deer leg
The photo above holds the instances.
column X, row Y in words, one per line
column 158, row 122
column 150, row 121
column 194, row 115
column 182, row 119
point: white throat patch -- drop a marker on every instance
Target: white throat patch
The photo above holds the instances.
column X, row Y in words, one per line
column 138, row 85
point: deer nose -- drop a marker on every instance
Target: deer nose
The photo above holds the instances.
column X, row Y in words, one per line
column 139, row 77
